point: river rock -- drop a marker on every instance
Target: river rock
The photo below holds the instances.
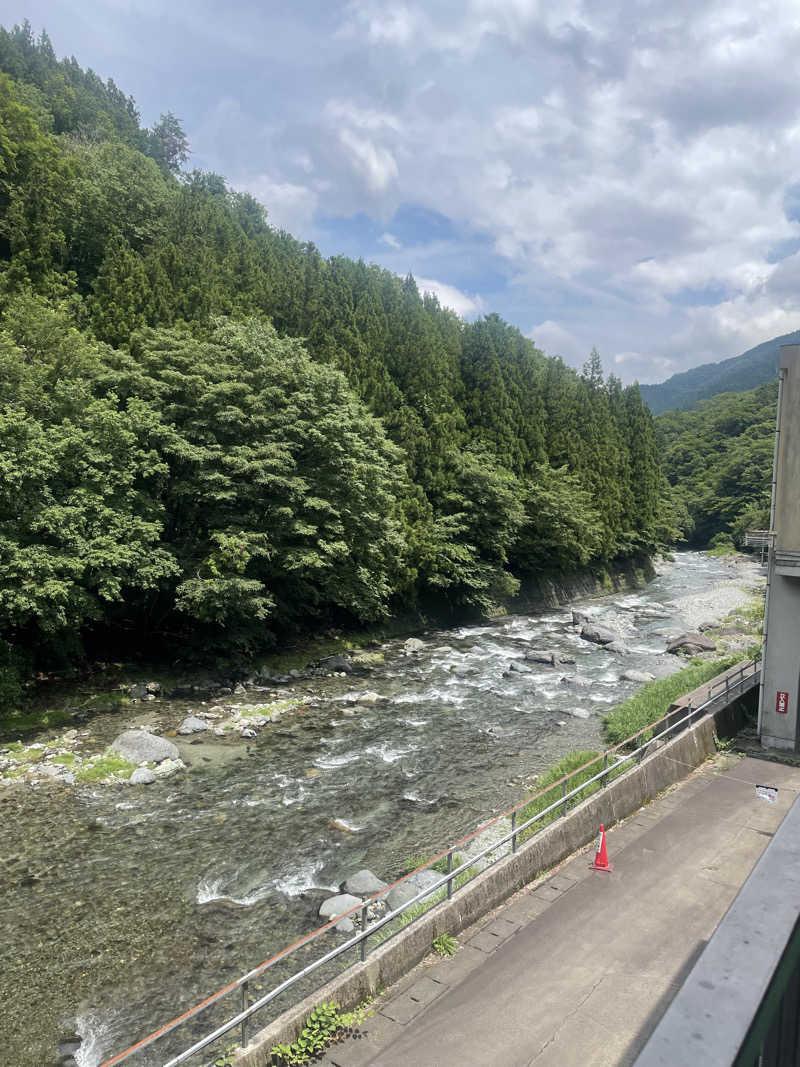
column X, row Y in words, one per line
column 600, row 635
column 142, row 776
column 616, row 646
column 139, row 746
column 691, row 643
column 580, row 681
column 334, row 906
column 247, row 734
column 541, row 656
column 192, row 725
column 423, row 879
column 168, row 767
column 638, row 676
column 400, row 895
column 369, row 698
column 339, row 662
column 413, row 644
column 515, row 667
column 579, row 618
column 580, row 713
column 363, row 884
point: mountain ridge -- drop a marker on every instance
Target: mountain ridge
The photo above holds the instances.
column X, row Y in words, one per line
column 738, row 374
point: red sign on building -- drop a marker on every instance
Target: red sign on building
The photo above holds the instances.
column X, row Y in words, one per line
column 782, row 702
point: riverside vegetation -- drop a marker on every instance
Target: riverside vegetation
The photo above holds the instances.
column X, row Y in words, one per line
column 214, row 438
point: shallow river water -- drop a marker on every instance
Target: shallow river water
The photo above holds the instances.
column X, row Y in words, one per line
column 140, row 902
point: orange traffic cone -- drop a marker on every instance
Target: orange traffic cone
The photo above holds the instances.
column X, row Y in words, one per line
column 601, row 855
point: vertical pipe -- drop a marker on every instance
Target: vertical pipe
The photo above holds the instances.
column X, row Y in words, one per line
column 245, row 1006
column 449, row 875
column 770, row 552
column 564, row 794
column 513, row 827
column 364, row 923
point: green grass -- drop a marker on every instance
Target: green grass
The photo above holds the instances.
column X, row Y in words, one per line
column 723, row 550
column 551, row 788
column 25, row 721
column 67, row 759
column 653, row 699
column 108, row 764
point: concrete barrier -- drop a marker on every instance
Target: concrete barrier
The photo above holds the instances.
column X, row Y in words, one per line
column 669, row 763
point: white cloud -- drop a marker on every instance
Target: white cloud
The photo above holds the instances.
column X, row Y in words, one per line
column 289, row 207
column 390, row 240
column 449, row 296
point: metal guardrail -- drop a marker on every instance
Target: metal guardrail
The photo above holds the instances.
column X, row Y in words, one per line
column 759, row 538
column 729, row 685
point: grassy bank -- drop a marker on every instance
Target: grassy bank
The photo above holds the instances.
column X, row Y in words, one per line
column 653, row 699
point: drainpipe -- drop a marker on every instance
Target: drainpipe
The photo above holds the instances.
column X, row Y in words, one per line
column 770, row 549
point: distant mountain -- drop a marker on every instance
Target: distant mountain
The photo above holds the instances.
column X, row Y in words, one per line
column 736, row 375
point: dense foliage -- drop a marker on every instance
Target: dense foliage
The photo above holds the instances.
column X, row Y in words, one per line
column 718, row 458
column 211, row 433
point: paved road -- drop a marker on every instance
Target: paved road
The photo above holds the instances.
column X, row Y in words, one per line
column 577, row 970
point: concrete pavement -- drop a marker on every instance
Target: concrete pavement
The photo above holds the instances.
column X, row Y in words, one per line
column 578, row 968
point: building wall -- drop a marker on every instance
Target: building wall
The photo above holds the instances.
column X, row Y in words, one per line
column 782, row 651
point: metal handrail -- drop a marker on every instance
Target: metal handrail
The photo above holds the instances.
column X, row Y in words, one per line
column 726, row 685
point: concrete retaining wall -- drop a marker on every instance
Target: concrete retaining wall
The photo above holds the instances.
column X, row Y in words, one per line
column 388, row 963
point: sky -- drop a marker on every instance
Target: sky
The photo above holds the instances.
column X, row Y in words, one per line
column 624, row 173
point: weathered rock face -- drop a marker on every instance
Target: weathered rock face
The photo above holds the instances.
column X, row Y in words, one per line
column 363, row 884
column 192, row 725
column 691, row 643
column 139, row 746
column 600, row 635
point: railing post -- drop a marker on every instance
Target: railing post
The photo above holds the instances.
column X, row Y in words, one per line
column 449, row 875
column 245, row 1006
column 364, row 922
column 513, row 827
column 604, row 779
column 564, row 795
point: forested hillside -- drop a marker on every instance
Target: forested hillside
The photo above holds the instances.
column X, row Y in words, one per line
column 684, row 391
column 719, row 458
column 211, row 433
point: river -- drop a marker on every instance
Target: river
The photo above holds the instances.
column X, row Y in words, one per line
column 134, row 903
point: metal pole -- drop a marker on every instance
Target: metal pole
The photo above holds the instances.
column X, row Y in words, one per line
column 364, row 923
column 564, row 794
column 770, row 553
column 449, row 873
column 245, row 1006
column 513, row 827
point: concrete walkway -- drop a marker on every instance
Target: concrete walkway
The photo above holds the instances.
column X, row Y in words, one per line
column 577, row 970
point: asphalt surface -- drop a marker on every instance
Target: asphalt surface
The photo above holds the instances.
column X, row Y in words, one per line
column 578, row 968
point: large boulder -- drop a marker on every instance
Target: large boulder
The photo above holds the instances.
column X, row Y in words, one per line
column 423, row 879
column 691, row 643
column 139, row 746
column 541, row 656
column 363, row 884
column 600, row 635
column 515, row 667
column 579, row 618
